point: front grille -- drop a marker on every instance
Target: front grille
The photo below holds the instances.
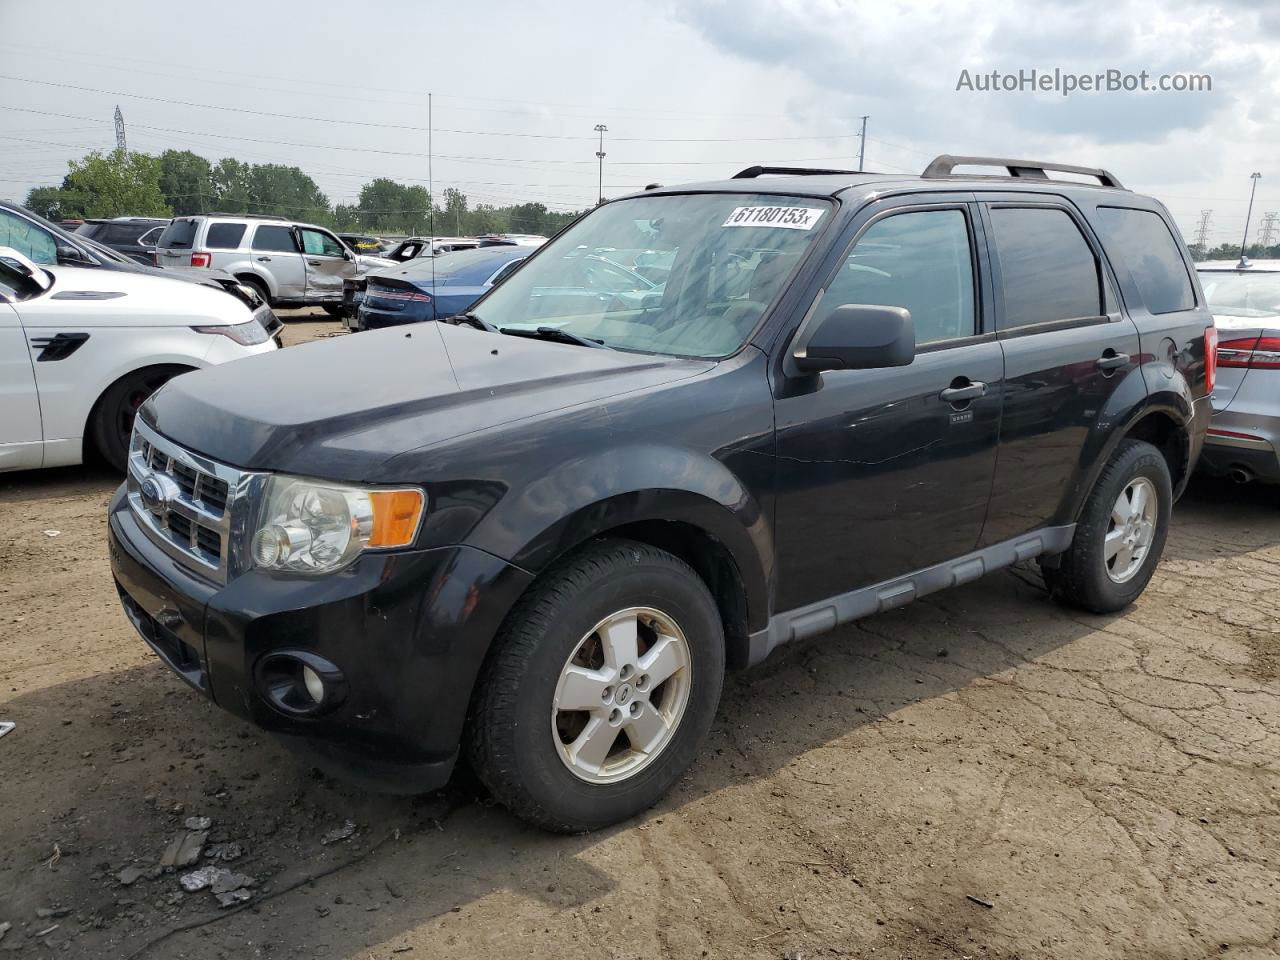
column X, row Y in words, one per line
column 183, row 501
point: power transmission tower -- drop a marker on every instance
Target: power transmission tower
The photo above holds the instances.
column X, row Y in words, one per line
column 1202, row 229
column 1267, row 232
column 862, row 143
column 120, row 141
column 601, row 129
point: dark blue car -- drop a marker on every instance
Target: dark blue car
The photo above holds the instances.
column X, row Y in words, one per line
column 428, row 288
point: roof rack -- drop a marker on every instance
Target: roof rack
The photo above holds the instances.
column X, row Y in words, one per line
column 245, row 216
column 752, row 172
column 943, row 165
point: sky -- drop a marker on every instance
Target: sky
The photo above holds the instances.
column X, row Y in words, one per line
column 689, row 91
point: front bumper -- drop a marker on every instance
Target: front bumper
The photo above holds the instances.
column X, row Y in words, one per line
column 408, row 630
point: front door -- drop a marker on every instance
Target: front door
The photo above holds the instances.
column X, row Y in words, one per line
column 1067, row 346
column 21, row 439
column 884, row 472
column 327, row 264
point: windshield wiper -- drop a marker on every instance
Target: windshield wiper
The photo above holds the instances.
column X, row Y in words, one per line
column 473, row 320
column 557, row 334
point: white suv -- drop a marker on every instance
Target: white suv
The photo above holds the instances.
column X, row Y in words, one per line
column 290, row 264
column 81, row 349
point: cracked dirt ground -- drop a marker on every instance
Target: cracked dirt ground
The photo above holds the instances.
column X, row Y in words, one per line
column 1110, row 786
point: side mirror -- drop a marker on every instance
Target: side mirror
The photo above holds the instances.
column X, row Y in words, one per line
column 69, row 254
column 32, row 271
column 857, row 337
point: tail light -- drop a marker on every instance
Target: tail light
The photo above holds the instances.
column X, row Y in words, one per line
column 200, row 259
column 1256, row 353
column 1211, row 359
column 399, row 293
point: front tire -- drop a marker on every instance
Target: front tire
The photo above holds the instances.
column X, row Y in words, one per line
column 1120, row 535
column 111, row 422
column 600, row 689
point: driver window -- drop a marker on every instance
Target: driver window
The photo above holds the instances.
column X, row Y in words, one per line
column 918, row 260
column 321, row 244
column 28, row 239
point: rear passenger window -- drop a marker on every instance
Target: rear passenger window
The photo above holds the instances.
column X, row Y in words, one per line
column 1140, row 239
column 224, row 236
column 278, row 239
column 1048, row 268
column 920, row 261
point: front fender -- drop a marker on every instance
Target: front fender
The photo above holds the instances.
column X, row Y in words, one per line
column 591, row 495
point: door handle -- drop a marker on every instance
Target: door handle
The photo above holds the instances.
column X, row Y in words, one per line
column 265, row 259
column 963, row 394
column 1110, row 360
column 314, row 263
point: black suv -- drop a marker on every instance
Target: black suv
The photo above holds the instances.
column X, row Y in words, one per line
column 135, row 237
column 539, row 532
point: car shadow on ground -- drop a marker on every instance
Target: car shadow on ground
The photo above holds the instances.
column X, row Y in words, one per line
column 144, row 752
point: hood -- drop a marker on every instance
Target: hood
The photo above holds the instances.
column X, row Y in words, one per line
column 90, row 297
column 345, row 407
column 365, row 263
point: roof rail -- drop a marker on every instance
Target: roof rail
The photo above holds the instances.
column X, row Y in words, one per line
column 942, row 166
column 245, row 216
column 752, row 172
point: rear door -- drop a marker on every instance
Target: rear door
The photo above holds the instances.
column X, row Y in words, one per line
column 885, row 472
column 327, row 263
column 276, row 253
column 1067, row 345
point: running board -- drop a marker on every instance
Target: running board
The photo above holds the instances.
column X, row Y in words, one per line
column 816, row 618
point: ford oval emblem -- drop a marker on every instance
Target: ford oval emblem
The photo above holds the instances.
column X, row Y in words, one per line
column 153, row 496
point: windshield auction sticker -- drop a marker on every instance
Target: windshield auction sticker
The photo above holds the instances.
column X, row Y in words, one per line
column 789, row 218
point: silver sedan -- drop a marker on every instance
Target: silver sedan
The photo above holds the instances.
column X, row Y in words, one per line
column 1244, row 436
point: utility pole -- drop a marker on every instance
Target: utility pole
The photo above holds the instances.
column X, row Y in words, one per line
column 1268, row 231
column 862, row 143
column 601, row 129
column 1255, row 177
column 1202, row 231
column 121, row 144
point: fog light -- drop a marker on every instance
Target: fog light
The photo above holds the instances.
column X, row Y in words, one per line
column 315, row 686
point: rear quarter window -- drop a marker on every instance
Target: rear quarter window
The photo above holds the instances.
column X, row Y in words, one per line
column 1141, row 241
column 179, row 235
column 224, row 236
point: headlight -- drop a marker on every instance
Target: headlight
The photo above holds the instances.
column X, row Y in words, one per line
column 246, row 334
column 308, row 526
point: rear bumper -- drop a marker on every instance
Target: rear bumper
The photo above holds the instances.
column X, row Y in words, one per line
column 370, row 317
column 1235, row 453
column 407, row 633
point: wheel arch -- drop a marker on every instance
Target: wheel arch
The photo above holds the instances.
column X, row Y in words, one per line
column 179, row 365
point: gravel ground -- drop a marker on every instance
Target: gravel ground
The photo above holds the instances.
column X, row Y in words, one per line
column 980, row 774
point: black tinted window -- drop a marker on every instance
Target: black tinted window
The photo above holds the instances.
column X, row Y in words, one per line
column 178, row 235
column 279, row 239
column 1048, row 267
column 1141, row 241
column 224, row 236
column 920, row 261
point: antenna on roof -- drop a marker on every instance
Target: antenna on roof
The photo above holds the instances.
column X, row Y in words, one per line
column 431, row 203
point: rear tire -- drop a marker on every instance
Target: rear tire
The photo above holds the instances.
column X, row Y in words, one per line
column 600, row 689
column 1120, row 535
column 335, row 310
column 111, row 422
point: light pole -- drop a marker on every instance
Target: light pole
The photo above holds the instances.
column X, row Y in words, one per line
column 1252, row 190
column 601, row 129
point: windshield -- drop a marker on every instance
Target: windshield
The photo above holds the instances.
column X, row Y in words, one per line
column 1242, row 294
column 686, row 275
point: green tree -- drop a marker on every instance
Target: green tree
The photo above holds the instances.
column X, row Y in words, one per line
column 186, row 180
column 389, row 206
column 114, row 184
column 231, row 189
column 286, row 191
column 56, row 203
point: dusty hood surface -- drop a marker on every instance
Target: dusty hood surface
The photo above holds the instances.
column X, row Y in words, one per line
column 343, row 408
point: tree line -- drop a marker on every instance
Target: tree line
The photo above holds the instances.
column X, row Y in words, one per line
column 1231, row 251
column 181, row 183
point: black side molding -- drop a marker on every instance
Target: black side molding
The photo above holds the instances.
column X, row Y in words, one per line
column 815, row 618
column 58, row 347
column 942, row 166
